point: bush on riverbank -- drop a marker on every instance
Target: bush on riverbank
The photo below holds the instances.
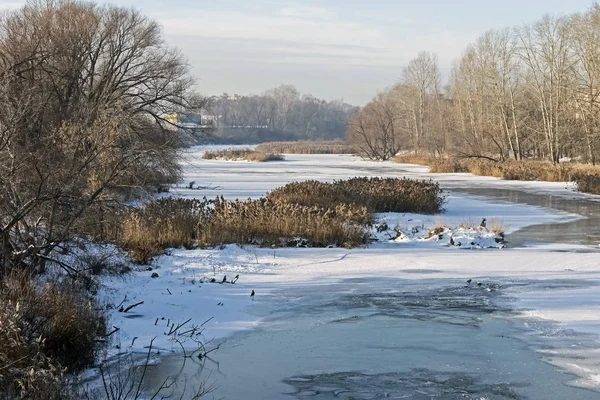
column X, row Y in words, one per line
column 85, row 99
column 588, row 183
column 375, row 194
column 327, row 147
column 45, row 332
column 585, row 176
column 241, row 155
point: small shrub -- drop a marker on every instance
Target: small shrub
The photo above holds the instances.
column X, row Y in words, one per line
column 61, row 313
column 245, row 154
column 25, row 371
column 496, row 226
column 436, row 231
column 72, row 327
column 101, row 264
column 304, row 147
column 588, row 183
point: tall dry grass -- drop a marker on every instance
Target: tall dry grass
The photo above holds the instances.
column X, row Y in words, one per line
column 375, row 194
column 45, row 331
column 175, row 223
column 585, row 176
column 243, row 154
column 25, row 371
column 312, row 214
column 588, row 183
column 162, row 224
column 271, row 222
column 305, row 147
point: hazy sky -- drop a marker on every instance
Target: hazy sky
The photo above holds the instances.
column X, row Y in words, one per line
column 347, row 49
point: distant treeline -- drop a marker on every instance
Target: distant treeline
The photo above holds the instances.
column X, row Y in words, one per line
column 279, row 114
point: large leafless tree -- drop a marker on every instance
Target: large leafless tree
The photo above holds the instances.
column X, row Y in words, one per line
column 83, row 91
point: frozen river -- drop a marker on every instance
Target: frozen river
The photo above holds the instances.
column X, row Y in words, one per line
column 379, row 339
column 390, row 322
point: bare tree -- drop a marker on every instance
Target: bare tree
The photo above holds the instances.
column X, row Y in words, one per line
column 280, row 114
column 375, row 128
column 283, row 99
column 422, row 78
column 83, row 94
column 529, row 92
column 486, row 84
column 544, row 49
column 585, row 31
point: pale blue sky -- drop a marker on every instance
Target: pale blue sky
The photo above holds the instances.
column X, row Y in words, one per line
column 334, row 49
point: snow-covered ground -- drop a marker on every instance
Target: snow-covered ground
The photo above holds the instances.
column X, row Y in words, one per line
column 183, row 288
column 235, row 179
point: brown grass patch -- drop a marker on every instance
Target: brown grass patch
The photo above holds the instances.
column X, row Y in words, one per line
column 25, row 371
column 267, row 222
column 176, row 223
column 587, row 177
column 305, row 147
column 62, row 314
column 436, row 165
column 162, row 224
column 588, row 183
column 44, row 331
column 311, row 214
column 243, row 154
column 375, row 194
column 436, row 231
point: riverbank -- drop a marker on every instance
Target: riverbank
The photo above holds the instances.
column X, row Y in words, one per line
column 584, row 176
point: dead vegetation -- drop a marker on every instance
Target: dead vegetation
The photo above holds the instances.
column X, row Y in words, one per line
column 175, row 223
column 271, row 222
column 585, row 176
column 375, row 194
column 588, row 182
column 84, row 89
column 305, row 147
column 45, row 332
column 304, row 214
column 243, row 155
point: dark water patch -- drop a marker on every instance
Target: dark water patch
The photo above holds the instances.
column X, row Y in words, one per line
column 414, row 384
column 584, row 231
column 456, row 305
column 421, row 271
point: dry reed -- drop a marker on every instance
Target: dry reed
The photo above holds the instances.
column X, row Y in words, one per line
column 305, row 147
column 242, row 155
column 375, row 194
column 586, row 177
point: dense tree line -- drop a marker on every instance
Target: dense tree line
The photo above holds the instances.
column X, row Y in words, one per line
column 281, row 113
column 526, row 92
